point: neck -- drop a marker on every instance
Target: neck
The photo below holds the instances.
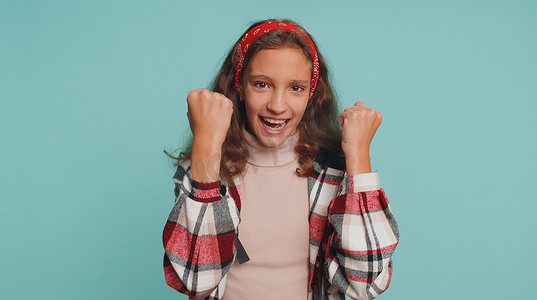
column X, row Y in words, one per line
column 263, row 156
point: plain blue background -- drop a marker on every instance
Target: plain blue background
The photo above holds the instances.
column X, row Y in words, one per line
column 92, row 92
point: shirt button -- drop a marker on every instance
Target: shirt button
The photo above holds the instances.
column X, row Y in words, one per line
column 223, row 190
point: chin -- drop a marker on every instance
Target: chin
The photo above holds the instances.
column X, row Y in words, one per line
column 271, row 140
column 273, row 135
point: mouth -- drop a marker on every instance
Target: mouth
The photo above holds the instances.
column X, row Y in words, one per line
column 273, row 125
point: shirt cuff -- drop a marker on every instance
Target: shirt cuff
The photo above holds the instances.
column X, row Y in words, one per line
column 203, row 191
column 365, row 182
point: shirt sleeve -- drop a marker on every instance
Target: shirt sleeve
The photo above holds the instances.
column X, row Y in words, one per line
column 366, row 182
column 362, row 238
column 199, row 236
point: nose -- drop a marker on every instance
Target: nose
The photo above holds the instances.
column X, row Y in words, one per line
column 277, row 103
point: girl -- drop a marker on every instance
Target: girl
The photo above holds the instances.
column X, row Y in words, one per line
column 273, row 198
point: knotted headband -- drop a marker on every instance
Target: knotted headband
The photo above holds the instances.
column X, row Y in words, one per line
column 251, row 36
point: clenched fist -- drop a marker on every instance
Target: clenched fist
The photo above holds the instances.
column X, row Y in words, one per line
column 209, row 116
column 359, row 124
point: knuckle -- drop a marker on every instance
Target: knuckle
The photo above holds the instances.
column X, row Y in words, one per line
column 194, row 93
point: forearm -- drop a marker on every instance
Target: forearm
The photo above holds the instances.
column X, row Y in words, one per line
column 364, row 239
column 358, row 162
column 205, row 160
column 199, row 248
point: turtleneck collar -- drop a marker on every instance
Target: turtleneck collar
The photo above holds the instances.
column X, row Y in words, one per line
column 263, row 156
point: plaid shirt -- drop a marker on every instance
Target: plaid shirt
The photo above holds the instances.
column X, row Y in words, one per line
column 352, row 235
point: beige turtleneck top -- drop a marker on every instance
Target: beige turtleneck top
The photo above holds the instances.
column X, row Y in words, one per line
column 274, row 227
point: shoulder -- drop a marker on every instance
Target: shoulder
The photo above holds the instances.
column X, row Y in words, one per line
column 184, row 174
column 182, row 169
column 328, row 169
column 330, row 160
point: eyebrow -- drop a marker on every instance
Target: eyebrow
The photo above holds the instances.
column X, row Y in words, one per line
column 264, row 77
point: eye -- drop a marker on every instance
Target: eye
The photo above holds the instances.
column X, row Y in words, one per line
column 297, row 88
column 261, row 84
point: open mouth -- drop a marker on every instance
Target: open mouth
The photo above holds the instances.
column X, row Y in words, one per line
column 274, row 124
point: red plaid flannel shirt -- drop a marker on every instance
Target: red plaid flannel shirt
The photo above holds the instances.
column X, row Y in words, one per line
column 352, row 235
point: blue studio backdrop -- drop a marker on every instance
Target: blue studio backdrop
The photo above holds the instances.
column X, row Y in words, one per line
column 92, row 92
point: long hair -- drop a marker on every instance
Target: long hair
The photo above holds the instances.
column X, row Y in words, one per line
column 319, row 129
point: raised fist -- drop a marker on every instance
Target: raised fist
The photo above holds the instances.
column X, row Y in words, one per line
column 209, row 115
column 359, row 124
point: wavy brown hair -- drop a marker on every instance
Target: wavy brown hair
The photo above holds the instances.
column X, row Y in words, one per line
column 319, row 129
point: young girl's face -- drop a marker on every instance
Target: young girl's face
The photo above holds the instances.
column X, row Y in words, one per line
column 275, row 88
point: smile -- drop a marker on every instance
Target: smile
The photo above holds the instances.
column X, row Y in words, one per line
column 274, row 126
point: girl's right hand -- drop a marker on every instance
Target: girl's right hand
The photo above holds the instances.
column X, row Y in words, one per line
column 209, row 116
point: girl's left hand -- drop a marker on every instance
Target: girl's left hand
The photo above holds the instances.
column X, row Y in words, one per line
column 359, row 124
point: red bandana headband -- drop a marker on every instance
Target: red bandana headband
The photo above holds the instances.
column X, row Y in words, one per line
column 251, row 36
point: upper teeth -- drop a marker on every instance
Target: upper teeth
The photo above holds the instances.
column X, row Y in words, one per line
column 273, row 121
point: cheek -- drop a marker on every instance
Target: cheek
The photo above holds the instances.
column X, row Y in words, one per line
column 251, row 112
column 300, row 109
column 253, row 105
